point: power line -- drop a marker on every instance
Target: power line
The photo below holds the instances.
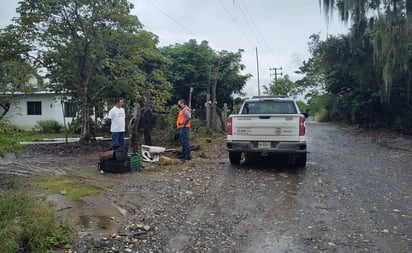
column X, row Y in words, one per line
column 234, row 21
column 159, row 34
column 242, row 4
column 241, row 30
column 167, row 15
column 248, row 23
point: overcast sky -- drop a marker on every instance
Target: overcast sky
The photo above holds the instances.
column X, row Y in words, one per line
column 279, row 30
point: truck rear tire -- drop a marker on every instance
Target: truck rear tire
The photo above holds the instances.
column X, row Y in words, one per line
column 300, row 161
column 235, row 157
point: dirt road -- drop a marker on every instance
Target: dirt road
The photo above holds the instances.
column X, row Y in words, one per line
column 353, row 196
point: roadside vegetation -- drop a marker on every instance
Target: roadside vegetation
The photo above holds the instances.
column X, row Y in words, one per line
column 9, row 139
column 362, row 78
column 29, row 224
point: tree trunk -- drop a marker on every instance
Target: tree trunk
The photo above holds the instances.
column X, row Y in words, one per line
column 214, row 102
column 207, row 107
column 85, row 118
column 83, row 84
column 224, row 117
column 147, row 119
column 134, row 130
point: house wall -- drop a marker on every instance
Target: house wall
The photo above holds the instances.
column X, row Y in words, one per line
column 51, row 109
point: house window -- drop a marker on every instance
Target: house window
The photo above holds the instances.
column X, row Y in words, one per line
column 34, row 108
column 69, row 111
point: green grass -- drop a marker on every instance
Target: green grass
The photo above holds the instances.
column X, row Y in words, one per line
column 30, row 225
column 75, row 188
column 37, row 136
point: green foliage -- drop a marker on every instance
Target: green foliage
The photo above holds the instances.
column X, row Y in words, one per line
column 199, row 67
column 197, row 129
column 237, row 105
column 94, row 51
column 367, row 73
column 75, row 126
column 403, row 122
column 9, row 140
column 171, row 129
column 322, row 115
column 302, row 106
column 15, row 69
column 74, row 188
column 48, row 126
column 282, row 87
column 30, row 225
column 317, row 107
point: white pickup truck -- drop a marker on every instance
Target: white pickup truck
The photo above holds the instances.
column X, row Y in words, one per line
column 265, row 126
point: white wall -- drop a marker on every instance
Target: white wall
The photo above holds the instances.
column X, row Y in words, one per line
column 51, row 109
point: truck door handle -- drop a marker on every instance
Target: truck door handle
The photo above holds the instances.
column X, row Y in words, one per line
column 264, row 117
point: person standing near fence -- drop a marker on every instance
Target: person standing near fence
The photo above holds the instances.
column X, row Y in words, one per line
column 117, row 118
column 183, row 127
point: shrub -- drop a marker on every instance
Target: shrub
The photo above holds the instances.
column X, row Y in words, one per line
column 322, row 115
column 48, row 126
column 171, row 130
column 30, row 225
column 9, row 136
column 75, row 127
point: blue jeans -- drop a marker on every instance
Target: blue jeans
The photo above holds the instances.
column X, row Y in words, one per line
column 184, row 141
column 117, row 139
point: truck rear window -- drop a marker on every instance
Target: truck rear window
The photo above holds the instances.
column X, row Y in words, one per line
column 269, row 107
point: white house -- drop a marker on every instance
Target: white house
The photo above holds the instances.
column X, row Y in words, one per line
column 29, row 108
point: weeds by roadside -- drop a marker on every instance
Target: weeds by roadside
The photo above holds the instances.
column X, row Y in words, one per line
column 29, row 224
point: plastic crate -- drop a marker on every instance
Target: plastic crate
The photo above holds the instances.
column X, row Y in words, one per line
column 135, row 163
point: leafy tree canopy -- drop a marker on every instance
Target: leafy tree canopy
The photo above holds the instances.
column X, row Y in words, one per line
column 365, row 75
column 94, row 51
column 282, row 87
column 198, row 66
column 15, row 69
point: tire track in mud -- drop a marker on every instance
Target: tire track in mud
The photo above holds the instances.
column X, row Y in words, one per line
column 26, row 168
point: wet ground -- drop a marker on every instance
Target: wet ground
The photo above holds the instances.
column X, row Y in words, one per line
column 353, row 196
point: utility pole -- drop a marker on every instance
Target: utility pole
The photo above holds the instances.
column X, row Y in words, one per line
column 276, row 73
column 213, row 119
column 257, row 66
column 208, row 102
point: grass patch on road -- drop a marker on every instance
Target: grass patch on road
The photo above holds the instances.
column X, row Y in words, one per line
column 73, row 187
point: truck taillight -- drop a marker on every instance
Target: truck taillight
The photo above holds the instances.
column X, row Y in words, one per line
column 302, row 126
column 229, row 126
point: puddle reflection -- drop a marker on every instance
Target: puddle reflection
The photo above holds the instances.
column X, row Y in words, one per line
column 85, row 220
column 103, row 222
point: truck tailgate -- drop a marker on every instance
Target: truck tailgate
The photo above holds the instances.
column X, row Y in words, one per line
column 265, row 127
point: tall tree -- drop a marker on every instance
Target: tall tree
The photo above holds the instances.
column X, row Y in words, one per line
column 282, row 87
column 16, row 71
column 392, row 36
column 92, row 49
column 200, row 67
column 386, row 26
